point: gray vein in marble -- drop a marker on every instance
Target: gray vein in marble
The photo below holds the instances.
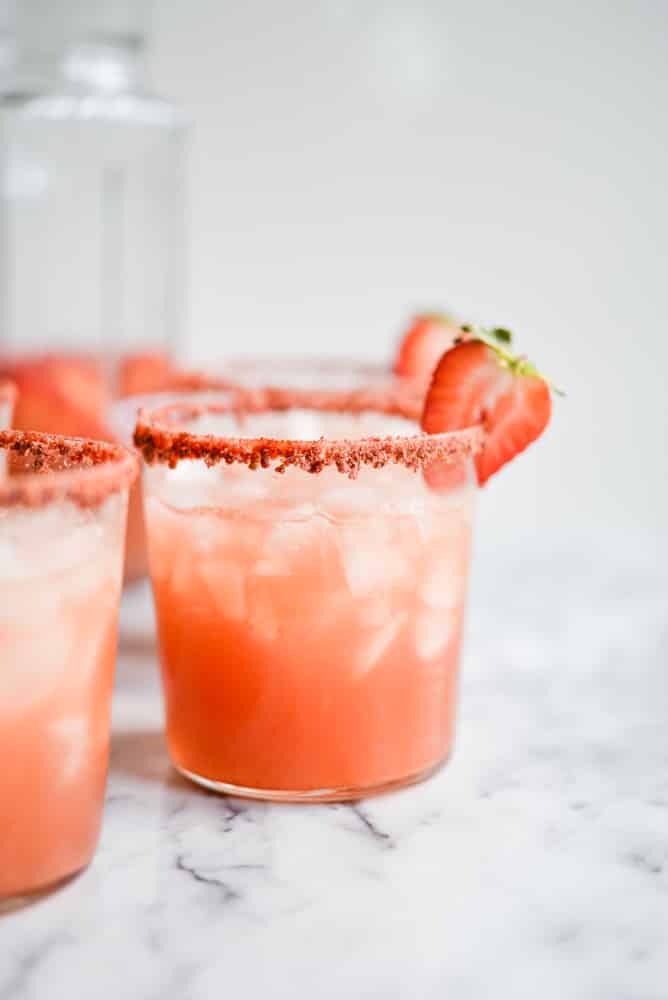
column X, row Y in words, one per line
column 29, row 962
column 375, row 831
column 228, row 894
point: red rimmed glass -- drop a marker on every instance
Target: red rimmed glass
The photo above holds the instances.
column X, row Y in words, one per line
column 62, row 521
column 310, row 590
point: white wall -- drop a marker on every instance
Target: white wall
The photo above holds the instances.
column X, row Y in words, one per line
column 353, row 160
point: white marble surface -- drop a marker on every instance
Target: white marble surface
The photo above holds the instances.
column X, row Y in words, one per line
column 535, row 864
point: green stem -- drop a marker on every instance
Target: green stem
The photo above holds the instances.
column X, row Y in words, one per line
column 514, row 363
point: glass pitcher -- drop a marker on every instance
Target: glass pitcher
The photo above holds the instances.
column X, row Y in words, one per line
column 91, row 211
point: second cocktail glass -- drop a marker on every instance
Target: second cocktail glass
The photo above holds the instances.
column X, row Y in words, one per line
column 62, row 521
column 310, row 589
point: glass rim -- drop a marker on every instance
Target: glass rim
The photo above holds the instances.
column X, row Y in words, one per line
column 317, row 364
column 93, row 470
column 231, row 370
column 160, row 440
column 123, row 412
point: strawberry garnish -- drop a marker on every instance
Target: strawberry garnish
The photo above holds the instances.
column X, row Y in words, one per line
column 424, row 342
column 478, row 381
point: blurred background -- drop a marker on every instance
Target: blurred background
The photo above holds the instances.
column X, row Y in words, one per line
column 354, row 161
column 349, row 163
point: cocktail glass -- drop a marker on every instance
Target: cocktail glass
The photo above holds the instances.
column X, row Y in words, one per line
column 62, row 521
column 309, row 556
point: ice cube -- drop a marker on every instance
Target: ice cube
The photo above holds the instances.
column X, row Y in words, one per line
column 11, row 564
column 93, row 635
column 182, row 541
column 207, row 530
column 346, row 499
column 298, row 535
column 178, row 567
column 433, row 631
column 263, row 615
column 226, row 585
column 375, row 610
column 294, row 576
column 373, row 645
column 56, row 538
column 442, row 584
column 35, row 661
column 72, row 745
column 303, row 425
column 371, row 558
column 208, row 580
column 186, row 486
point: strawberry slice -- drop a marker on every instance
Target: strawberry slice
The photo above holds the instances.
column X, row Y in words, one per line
column 480, row 382
column 61, row 394
column 424, row 342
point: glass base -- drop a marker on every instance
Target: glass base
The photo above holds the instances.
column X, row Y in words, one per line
column 348, row 794
column 17, row 901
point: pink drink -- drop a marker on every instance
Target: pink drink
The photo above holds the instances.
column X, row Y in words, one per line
column 310, row 625
column 61, row 549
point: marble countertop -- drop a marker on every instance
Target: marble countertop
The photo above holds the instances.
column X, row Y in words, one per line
column 534, row 864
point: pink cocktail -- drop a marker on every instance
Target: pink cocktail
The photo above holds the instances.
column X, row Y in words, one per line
column 310, row 589
column 62, row 521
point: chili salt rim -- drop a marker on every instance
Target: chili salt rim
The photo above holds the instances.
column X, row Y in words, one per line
column 385, row 392
column 93, row 470
column 160, row 443
column 383, row 395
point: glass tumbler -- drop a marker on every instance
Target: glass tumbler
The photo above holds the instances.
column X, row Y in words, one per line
column 91, row 214
column 309, row 557
column 62, row 522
